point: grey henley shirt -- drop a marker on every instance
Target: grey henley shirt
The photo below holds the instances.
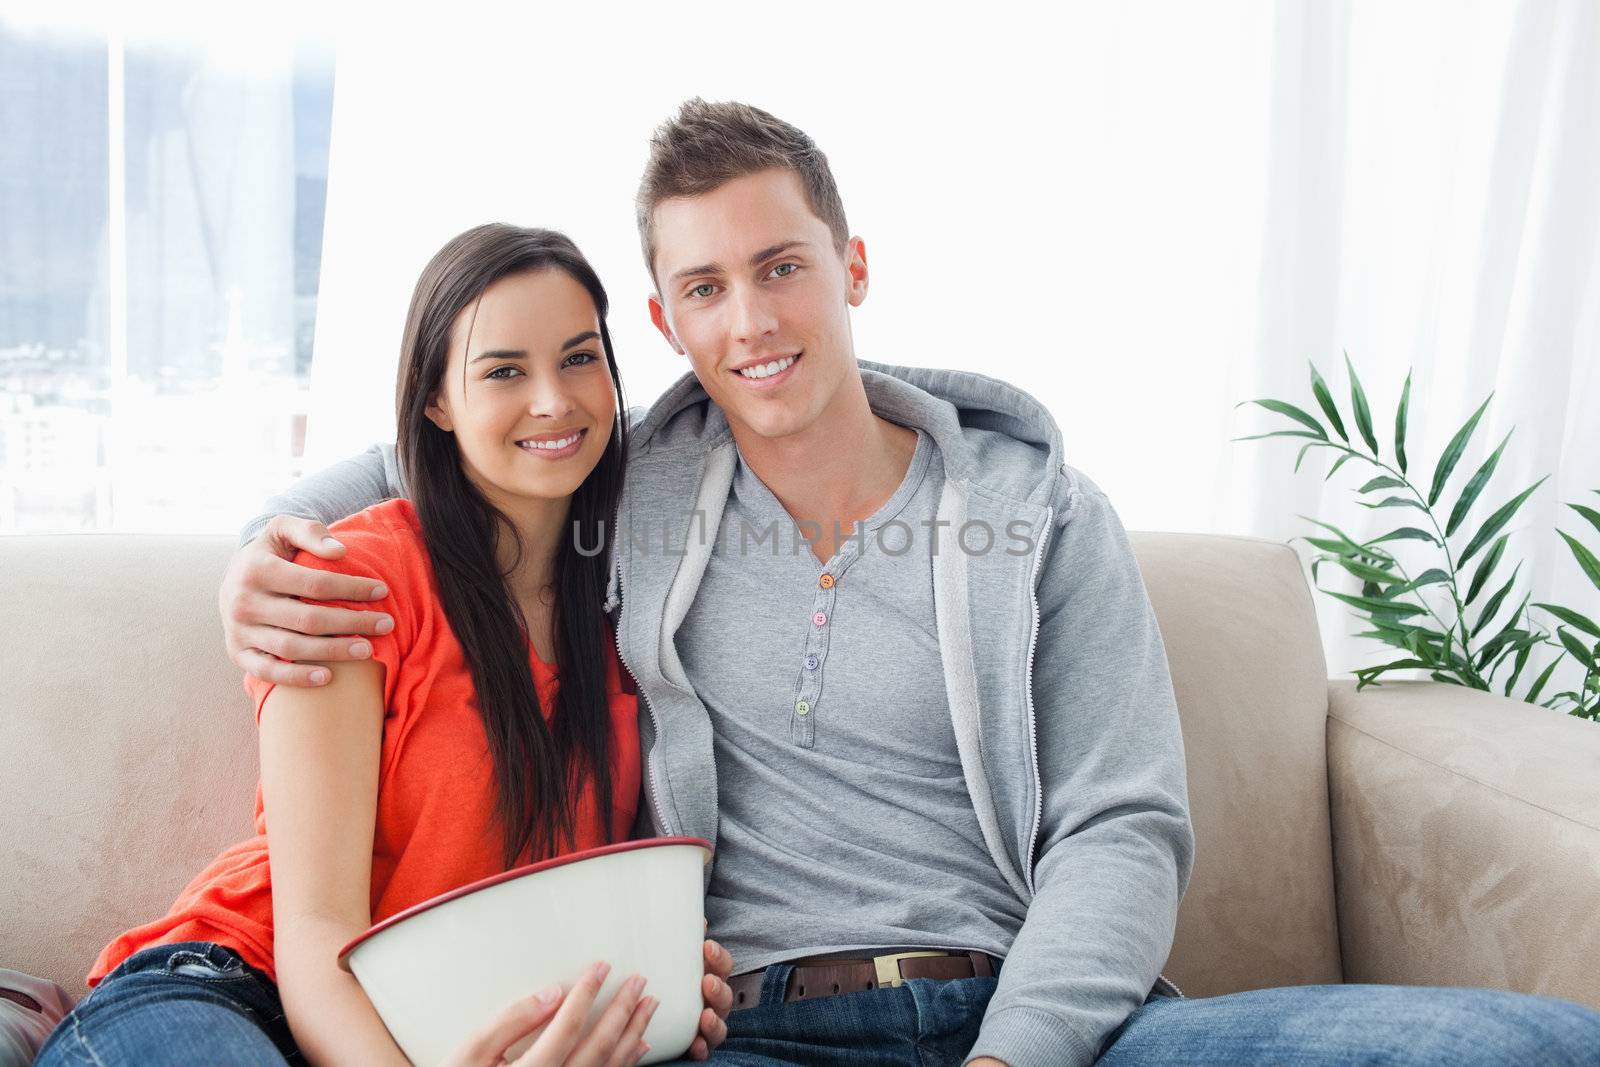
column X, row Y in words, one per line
column 844, row 816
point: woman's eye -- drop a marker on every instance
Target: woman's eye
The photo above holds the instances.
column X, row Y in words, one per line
column 497, row 376
column 581, row 358
column 702, row 291
column 783, row 270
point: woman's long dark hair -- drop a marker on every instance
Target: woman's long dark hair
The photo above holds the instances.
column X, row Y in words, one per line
column 539, row 767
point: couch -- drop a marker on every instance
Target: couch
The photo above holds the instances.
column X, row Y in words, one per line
column 1409, row 833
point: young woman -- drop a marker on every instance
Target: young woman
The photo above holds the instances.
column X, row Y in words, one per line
column 452, row 753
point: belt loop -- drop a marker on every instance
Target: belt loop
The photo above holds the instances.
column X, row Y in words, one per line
column 774, row 984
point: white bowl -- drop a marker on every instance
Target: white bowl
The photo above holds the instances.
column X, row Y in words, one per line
column 442, row 970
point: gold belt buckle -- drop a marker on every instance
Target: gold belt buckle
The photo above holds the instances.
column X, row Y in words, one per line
column 888, row 967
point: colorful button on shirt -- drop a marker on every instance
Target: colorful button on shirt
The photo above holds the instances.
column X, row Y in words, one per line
column 811, row 662
column 820, row 618
column 826, row 581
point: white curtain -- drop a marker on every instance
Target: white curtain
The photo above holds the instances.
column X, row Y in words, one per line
column 1143, row 213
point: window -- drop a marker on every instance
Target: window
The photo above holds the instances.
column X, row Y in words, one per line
column 161, row 208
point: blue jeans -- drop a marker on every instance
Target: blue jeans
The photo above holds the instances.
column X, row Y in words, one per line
column 176, row 1006
column 922, row 1023
column 933, row 1024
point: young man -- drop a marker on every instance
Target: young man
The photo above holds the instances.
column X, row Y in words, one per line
column 935, row 737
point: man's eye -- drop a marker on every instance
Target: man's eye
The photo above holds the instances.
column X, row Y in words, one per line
column 702, row 291
column 783, row 270
column 497, row 376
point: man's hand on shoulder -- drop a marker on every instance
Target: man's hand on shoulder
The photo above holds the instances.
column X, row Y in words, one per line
column 265, row 626
column 986, row 1061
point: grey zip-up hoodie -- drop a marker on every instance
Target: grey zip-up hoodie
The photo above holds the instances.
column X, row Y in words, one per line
column 1064, row 715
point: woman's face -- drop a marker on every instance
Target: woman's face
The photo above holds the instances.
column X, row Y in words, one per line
column 528, row 394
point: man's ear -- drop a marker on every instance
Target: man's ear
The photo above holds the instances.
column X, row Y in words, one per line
column 855, row 264
column 658, row 316
column 438, row 415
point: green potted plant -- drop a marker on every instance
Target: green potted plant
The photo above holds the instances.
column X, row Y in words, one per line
column 1451, row 637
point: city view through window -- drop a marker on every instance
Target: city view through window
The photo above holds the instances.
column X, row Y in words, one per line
column 161, row 215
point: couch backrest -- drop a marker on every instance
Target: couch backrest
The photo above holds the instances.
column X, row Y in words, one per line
column 128, row 751
column 127, row 743
column 1241, row 635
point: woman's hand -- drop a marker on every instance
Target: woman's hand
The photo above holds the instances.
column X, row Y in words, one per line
column 617, row 1039
column 719, row 1001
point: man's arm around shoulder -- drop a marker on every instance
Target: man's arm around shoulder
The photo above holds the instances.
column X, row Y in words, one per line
column 266, row 627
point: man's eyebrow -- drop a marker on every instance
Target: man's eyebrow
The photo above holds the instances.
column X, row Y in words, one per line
column 519, row 353
column 755, row 260
column 775, row 250
column 704, row 268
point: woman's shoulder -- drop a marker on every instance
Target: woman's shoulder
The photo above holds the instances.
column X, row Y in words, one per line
column 383, row 542
column 393, row 520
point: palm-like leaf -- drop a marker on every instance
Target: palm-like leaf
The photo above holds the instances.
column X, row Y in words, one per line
column 1516, row 669
column 1394, row 502
column 1588, row 513
column 1377, row 606
column 1341, row 461
column 1400, row 424
column 1538, row 685
column 1497, row 521
column 1358, row 400
column 1486, row 567
column 1493, row 605
column 1319, row 389
column 1383, row 481
column 1474, row 487
column 1579, row 650
column 1408, row 533
column 1572, row 618
column 1585, row 558
column 1290, row 410
column 1452, row 453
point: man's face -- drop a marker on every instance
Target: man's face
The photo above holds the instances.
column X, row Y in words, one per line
column 754, row 293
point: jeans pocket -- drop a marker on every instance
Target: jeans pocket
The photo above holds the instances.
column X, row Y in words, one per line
column 214, row 964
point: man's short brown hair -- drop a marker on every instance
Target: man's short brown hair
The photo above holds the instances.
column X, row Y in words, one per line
column 707, row 145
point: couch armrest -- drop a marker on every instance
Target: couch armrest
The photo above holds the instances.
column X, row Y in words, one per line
column 1466, row 839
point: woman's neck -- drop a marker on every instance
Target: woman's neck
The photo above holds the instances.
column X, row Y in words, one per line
column 530, row 567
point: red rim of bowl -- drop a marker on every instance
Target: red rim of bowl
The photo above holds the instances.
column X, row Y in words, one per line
column 519, row 872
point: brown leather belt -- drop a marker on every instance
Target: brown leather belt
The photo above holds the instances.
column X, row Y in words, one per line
column 813, row 978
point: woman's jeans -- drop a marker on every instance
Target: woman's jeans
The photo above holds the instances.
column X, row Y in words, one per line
column 176, row 1006
column 935, row 1024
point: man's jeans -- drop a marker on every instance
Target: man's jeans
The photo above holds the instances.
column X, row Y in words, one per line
column 935, row 1024
column 195, row 1003
column 176, row 1006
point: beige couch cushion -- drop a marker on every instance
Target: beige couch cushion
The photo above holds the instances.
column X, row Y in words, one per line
column 128, row 744
column 1247, row 666
column 1467, row 840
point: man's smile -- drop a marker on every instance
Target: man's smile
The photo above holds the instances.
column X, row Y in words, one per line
column 765, row 374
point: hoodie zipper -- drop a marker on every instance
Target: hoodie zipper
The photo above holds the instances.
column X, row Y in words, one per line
column 1033, row 722
column 652, row 790
column 1163, row 980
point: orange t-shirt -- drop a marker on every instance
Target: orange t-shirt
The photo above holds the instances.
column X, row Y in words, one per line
column 436, row 827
